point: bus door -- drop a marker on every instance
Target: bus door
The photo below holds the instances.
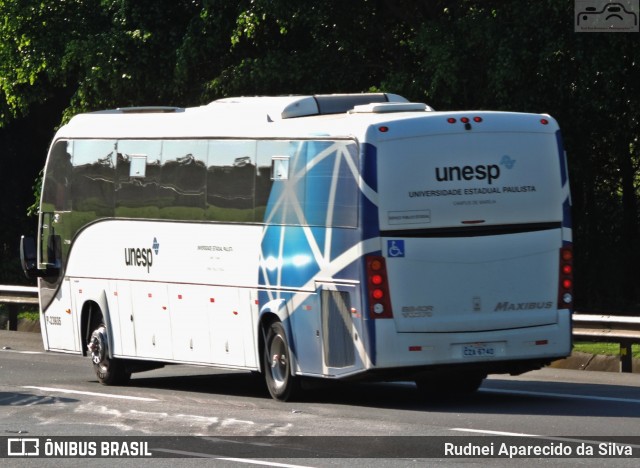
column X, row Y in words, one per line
column 58, row 313
column 59, row 319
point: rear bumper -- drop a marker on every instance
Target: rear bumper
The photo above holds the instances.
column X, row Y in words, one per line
column 516, row 350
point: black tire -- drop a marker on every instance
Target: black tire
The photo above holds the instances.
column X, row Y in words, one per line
column 108, row 370
column 450, row 386
column 277, row 364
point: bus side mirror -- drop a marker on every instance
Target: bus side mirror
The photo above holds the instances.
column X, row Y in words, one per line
column 28, row 257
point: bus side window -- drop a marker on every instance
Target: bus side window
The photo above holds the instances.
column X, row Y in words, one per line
column 276, row 161
column 51, row 256
column 332, row 189
column 183, row 178
column 137, row 178
column 230, row 180
column 54, row 250
column 93, row 179
column 56, row 193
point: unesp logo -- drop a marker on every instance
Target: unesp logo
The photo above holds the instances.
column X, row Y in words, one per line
column 507, row 162
column 135, row 256
column 485, row 172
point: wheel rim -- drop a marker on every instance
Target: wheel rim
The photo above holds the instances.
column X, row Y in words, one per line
column 278, row 361
column 98, row 348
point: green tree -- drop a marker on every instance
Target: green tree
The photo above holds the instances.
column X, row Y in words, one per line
column 67, row 56
column 106, row 53
column 525, row 56
column 78, row 55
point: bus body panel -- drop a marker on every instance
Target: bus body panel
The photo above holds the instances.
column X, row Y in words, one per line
column 121, row 311
column 60, row 324
column 503, row 352
column 161, row 307
column 139, row 250
column 472, row 228
column 475, row 283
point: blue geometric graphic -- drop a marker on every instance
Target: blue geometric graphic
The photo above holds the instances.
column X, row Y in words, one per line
column 311, row 220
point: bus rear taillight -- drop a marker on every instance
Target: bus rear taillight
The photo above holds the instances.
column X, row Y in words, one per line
column 565, row 287
column 378, row 288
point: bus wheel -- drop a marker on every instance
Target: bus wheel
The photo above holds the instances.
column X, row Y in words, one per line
column 277, row 364
column 109, row 371
column 441, row 386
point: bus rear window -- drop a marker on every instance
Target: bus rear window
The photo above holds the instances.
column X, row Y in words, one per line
column 469, row 180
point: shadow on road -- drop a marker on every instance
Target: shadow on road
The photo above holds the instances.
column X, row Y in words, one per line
column 496, row 396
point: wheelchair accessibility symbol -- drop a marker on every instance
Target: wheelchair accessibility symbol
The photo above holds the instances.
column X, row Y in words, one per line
column 395, row 248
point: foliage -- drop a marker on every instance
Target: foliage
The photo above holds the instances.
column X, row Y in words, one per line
column 609, row 349
column 69, row 56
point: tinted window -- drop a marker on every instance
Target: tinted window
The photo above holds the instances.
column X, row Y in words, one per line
column 93, row 177
column 230, row 180
column 288, row 182
column 182, row 189
column 56, row 188
column 137, row 196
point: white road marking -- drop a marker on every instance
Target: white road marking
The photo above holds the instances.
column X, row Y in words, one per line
column 561, row 395
column 78, row 392
column 238, row 460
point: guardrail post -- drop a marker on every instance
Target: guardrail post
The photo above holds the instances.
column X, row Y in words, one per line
column 626, row 357
column 13, row 316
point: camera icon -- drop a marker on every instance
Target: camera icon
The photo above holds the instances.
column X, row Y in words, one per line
column 604, row 16
column 23, row 447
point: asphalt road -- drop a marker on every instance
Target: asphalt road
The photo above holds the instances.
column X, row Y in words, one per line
column 236, row 422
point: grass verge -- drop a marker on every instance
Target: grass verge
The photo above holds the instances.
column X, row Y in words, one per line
column 33, row 316
column 610, row 349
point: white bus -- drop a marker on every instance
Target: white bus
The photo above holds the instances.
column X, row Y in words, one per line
column 329, row 236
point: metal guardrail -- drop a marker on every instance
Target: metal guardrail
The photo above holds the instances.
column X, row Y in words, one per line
column 588, row 327
column 14, row 297
column 609, row 329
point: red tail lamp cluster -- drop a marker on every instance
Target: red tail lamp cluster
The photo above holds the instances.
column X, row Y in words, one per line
column 378, row 287
column 565, row 289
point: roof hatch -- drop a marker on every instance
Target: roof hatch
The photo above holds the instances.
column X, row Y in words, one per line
column 379, row 108
column 288, row 107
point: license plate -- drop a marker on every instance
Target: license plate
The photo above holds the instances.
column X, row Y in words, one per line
column 479, row 350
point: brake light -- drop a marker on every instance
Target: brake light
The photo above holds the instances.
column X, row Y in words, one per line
column 378, row 287
column 465, row 120
column 565, row 287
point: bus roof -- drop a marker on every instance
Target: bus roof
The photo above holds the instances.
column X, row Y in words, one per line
column 330, row 116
